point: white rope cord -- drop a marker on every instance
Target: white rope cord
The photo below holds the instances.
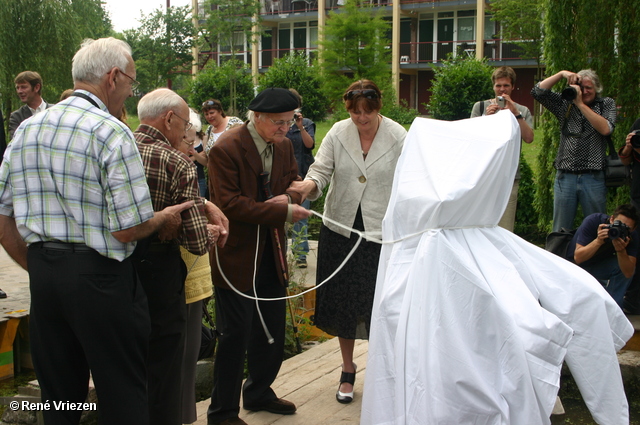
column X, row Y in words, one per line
column 361, row 235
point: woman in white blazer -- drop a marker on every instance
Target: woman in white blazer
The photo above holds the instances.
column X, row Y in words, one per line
column 357, row 157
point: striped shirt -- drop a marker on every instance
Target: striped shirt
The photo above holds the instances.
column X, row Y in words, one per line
column 73, row 174
column 581, row 148
column 173, row 179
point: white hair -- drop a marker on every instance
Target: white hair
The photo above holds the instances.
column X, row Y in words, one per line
column 591, row 74
column 194, row 118
column 97, row 57
column 157, row 103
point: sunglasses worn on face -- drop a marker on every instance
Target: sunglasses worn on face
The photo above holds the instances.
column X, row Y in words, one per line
column 368, row 93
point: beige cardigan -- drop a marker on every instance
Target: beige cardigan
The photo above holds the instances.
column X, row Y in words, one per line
column 354, row 180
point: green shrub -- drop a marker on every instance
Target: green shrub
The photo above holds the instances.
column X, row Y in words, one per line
column 457, row 85
column 526, row 225
column 214, row 82
column 293, row 71
column 400, row 113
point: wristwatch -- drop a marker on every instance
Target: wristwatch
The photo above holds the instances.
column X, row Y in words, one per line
column 519, row 117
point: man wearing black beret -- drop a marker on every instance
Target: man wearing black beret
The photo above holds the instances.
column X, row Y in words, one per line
column 257, row 205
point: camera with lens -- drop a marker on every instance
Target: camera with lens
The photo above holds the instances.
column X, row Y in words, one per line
column 296, row 114
column 501, row 102
column 618, row 230
column 635, row 139
column 569, row 93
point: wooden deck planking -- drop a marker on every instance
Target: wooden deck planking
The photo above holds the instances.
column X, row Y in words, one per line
column 310, row 380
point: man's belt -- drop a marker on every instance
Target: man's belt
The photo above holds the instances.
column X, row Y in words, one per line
column 64, row 246
column 580, row 171
column 158, row 246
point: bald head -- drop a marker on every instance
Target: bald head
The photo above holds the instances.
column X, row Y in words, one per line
column 166, row 111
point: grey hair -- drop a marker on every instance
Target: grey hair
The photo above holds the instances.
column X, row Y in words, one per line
column 251, row 116
column 97, row 57
column 591, row 74
column 157, row 103
column 194, row 118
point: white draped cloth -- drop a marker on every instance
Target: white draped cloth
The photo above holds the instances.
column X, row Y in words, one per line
column 471, row 323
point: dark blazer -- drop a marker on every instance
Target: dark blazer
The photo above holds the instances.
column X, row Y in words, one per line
column 234, row 184
column 18, row 116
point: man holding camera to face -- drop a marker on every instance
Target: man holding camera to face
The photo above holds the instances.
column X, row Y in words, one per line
column 607, row 247
column 504, row 81
column 586, row 122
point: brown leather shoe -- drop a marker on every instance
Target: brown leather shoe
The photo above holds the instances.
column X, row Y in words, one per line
column 231, row 421
column 279, row 406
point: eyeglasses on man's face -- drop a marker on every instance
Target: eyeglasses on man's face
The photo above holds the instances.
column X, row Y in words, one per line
column 188, row 124
column 134, row 84
column 283, row 123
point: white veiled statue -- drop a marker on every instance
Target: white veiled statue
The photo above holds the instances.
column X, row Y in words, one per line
column 470, row 322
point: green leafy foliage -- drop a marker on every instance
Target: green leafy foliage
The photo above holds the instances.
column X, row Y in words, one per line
column 229, row 24
column 597, row 35
column 520, row 20
column 457, row 85
column 526, row 224
column 162, row 46
column 355, row 47
column 43, row 36
column 293, row 71
column 400, row 113
column 213, row 83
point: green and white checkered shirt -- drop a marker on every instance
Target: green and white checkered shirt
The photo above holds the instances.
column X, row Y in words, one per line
column 73, row 174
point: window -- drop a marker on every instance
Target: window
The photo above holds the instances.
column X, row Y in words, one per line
column 466, row 29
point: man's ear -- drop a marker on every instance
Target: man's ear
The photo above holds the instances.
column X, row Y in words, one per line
column 37, row 88
column 167, row 119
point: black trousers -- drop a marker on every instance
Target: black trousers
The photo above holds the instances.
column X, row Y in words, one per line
column 88, row 313
column 243, row 334
column 162, row 275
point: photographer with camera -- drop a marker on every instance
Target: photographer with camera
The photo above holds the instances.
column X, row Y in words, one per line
column 504, row 81
column 586, row 122
column 630, row 155
column 607, row 246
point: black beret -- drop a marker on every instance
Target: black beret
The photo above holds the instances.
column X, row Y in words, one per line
column 274, row 100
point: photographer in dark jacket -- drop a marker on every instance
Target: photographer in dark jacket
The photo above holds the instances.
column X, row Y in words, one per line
column 630, row 155
column 607, row 246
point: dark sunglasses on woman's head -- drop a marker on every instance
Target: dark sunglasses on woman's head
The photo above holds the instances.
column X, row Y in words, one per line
column 368, row 93
column 209, row 103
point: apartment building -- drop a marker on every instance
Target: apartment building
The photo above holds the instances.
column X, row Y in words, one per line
column 423, row 33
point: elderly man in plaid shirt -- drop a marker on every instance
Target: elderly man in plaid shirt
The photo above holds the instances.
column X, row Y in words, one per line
column 172, row 179
column 73, row 199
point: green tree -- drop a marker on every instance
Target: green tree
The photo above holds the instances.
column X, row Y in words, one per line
column 214, row 81
column 162, row 46
column 229, row 24
column 520, row 21
column 356, row 46
column 293, row 71
column 43, row 36
column 457, row 85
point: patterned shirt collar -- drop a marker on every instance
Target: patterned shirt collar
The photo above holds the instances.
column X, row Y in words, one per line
column 153, row 133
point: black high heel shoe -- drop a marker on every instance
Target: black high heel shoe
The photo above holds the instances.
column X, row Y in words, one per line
column 349, row 378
